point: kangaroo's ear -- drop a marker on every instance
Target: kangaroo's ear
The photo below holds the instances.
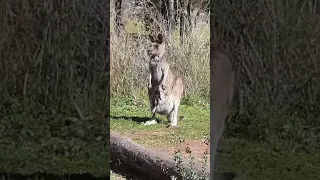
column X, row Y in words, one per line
column 160, row 38
column 151, row 38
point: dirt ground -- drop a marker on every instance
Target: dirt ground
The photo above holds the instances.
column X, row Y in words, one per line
column 197, row 148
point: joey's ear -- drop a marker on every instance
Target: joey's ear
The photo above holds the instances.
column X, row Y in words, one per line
column 160, row 38
column 151, row 38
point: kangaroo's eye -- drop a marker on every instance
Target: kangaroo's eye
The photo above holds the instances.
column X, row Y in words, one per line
column 157, row 46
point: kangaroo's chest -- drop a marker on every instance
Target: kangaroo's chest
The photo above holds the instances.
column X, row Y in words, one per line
column 156, row 72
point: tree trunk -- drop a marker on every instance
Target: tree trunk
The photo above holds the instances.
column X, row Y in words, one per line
column 182, row 21
column 152, row 15
column 189, row 17
column 200, row 10
column 119, row 24
column 176, row 13
column 170, row 16
column 148, row 162
column 217, row 6
column 146, row 15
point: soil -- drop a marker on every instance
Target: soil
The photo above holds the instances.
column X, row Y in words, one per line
column 197, row 148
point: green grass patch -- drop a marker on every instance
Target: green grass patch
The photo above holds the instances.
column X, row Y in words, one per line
column 269, row 161
column 276, row 159
column 39, row 140
column 126, row 117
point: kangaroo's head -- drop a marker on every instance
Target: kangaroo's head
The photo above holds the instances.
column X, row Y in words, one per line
column 157, row 47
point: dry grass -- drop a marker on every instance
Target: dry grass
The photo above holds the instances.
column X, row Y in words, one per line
column 53, row 51
column 54, row 86
column 274, row 47
column 129, row 62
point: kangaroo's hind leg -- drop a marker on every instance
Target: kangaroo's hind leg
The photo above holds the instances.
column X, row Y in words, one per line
column 174, row 121
column 152, row 102
column 156, row 102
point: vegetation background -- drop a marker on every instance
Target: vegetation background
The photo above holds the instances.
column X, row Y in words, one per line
column 54, row 86
column 273, row 131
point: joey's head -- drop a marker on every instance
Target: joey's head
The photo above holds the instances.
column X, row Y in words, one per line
column 157, row 47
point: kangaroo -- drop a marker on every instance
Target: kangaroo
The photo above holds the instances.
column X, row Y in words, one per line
column 158, row 74
column 221, row 95
column 164, row 88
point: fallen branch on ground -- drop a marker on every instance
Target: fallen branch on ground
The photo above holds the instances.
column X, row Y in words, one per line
column 151, row 163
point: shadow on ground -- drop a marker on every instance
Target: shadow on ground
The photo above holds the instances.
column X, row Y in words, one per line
column 9, row 176
column 141, row 119
column 133, row 118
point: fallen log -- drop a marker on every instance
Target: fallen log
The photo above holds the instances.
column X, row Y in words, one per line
column 153, row 164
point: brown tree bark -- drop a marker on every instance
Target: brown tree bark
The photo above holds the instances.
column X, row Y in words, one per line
column 200, row 10
column 182, row 21
column 170, row 16
column 119, row 23
column 189, row 17
column 148, row 162
column 152, row 10
column 176, row 13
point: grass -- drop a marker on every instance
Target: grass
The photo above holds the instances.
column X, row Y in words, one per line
column 42, row 176
column 267, row 161
column 53, row 57
column 281, row 159
column 126, row 115
column 38, row 140
column 128, row 59
column 114, row 176
column 195, row 125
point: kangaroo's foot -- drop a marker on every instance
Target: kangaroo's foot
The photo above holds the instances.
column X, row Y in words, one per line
column 170, row 126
